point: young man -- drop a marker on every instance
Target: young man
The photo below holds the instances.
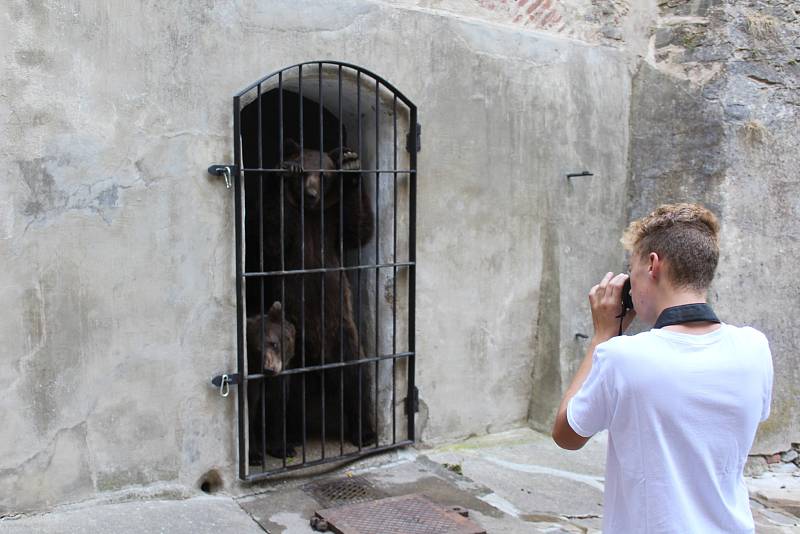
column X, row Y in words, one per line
column 682, row 401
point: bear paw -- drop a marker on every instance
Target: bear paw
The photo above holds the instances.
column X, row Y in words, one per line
column 350, row 161
column 292, row 168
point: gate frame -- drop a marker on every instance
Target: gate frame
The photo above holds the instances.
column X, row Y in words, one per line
column 413, row 147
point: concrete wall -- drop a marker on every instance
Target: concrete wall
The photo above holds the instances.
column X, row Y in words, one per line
column 117, row 247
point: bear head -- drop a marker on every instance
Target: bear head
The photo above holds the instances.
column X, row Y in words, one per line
column 322, row 179
column 270, row 341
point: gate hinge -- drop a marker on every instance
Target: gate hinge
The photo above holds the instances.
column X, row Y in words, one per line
column 414, row 139
column 226, row 171
column 413, row 401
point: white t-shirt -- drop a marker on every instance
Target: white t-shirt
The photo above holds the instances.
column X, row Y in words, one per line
column 681, row 412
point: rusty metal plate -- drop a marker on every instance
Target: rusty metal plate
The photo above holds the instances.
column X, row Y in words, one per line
column 350, row 490
column 409, row 514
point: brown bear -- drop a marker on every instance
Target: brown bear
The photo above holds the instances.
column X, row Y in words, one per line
column 336, row 217
column 268, row 355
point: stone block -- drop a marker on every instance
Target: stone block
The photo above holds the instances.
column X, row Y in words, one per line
column 783, row 468
column 664, row 37
column 755, row 466
column 779, row 498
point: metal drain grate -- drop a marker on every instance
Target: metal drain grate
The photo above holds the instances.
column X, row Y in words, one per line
column 409, row 514
column 341, row 491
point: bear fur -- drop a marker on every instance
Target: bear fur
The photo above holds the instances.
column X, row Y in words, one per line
column 337, row 218
column 268, row 354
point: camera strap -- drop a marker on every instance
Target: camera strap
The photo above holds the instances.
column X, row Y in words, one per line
column 686, row 313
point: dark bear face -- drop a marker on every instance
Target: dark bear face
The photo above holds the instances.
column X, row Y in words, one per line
column 322, row 175
column 271, row 341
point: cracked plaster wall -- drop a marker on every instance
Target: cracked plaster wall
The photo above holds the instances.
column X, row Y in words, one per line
column 118, row 292
column 117, row 247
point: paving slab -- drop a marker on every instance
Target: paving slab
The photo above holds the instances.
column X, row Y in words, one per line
column 198, row 515
column 487, row 476
column 287, row 508
column 534, row 477
column 776, row 489
column 513, row 482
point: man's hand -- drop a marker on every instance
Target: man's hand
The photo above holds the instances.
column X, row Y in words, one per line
column 606, row 302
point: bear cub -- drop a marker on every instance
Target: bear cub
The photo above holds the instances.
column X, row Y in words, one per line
column 276, row 356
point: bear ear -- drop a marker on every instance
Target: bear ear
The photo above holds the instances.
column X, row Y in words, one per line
column 275, row 311
column 290, row 147
column 289, row 330
column 253, row 324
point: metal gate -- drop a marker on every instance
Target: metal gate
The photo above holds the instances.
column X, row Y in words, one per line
column 325, row 195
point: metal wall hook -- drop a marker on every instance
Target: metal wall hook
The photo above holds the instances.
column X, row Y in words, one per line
column 577, row 174
column 226, row 171
column 224, row 382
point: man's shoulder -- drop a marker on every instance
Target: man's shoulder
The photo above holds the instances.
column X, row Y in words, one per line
column 626, row 342
column 748, row 338
column 747, row 332
column 647, row 342
column 620, row 347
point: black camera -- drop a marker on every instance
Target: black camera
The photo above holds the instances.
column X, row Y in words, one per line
column 627, row 300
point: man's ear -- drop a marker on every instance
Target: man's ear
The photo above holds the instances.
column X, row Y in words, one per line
column 656, row 265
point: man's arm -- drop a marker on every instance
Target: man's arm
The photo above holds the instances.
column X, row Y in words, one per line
column 563, row 435
column 605, row 299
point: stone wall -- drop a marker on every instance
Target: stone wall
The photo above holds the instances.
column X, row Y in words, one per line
column 714, row 118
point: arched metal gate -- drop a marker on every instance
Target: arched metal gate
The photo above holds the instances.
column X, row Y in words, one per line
column 325, row 191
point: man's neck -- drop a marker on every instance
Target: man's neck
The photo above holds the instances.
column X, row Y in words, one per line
column 679, row 298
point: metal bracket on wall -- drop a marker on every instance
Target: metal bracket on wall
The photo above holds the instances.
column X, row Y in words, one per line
column 577, row 174
column 226, row 171
column 224, row 382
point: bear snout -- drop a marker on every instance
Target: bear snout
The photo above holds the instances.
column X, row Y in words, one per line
column 273, row 364
column 312, row 189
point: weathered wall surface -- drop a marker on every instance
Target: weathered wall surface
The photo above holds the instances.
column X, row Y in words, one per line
column 117, row 247
column 714, row 117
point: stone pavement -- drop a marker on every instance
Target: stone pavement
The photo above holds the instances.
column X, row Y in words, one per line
column 513, row 482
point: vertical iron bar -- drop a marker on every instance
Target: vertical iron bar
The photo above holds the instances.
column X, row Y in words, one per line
column 302, row 267
column 322, row 252
column 341, row 275
column 242, row 396
column 377, row 247
column 412, row 272
column 358, row 272
column 283, row 265
column 394, row 272
column 263, row 383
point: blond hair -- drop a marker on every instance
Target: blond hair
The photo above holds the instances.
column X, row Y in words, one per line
column 685, row 235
